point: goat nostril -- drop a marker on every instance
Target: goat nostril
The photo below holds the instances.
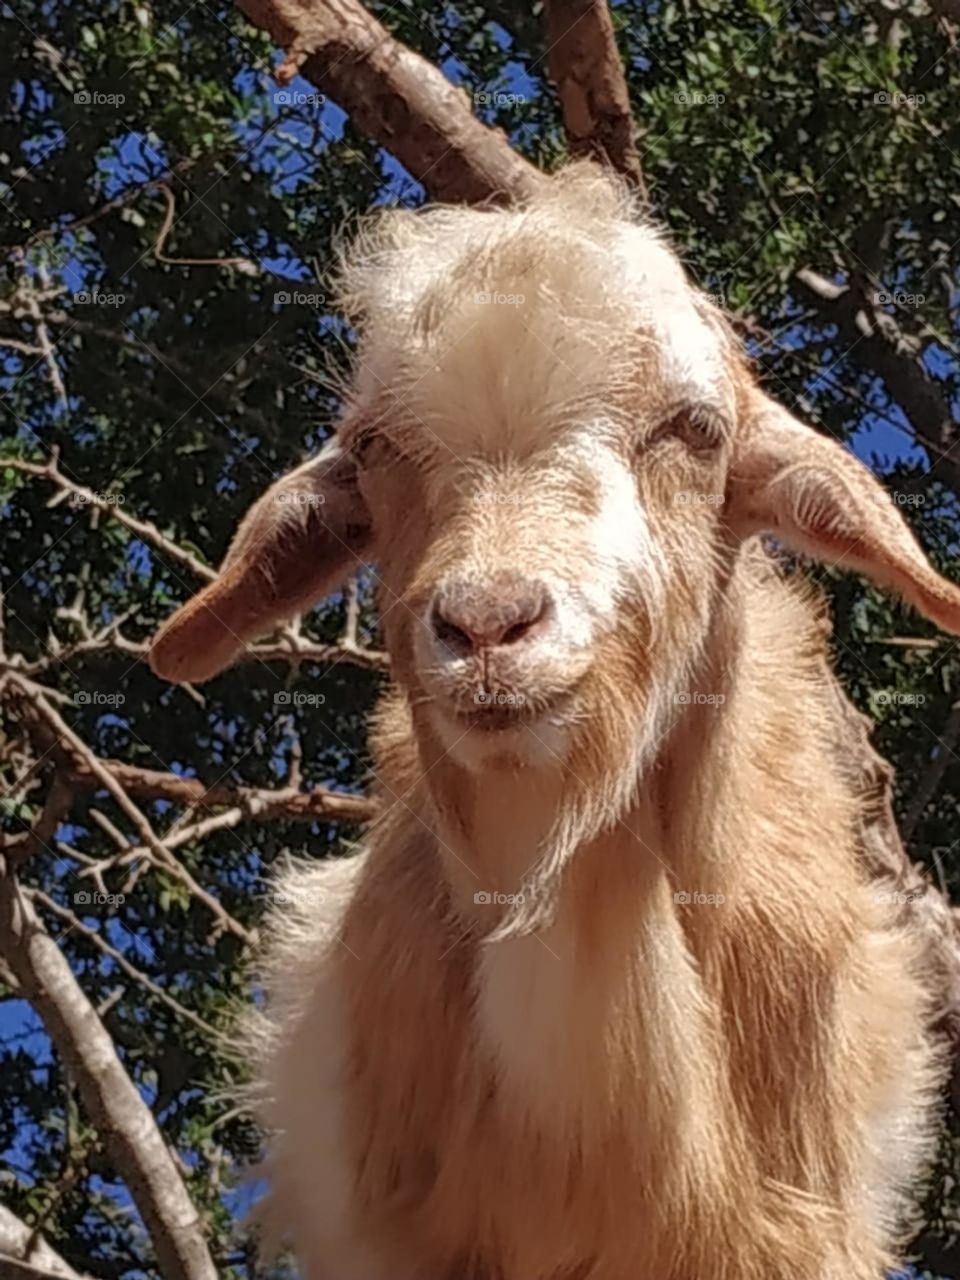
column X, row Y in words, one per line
column 449, row 633
column 515, row 633
column 518, row 630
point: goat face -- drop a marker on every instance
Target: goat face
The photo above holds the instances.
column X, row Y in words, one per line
column 552, row 451
column 529, row 543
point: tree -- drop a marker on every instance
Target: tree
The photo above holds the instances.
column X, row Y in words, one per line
column 172, row 195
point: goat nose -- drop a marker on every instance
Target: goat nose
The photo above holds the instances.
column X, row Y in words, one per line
column 471, row 616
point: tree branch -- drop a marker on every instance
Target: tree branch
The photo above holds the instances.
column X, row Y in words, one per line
column 163, row 235
column 290, row 648
column 77, row 926
column 394, row 96
column 14, row 1269
column 56, row 806
column 120, row 201
column 50, row 470
column 24, row 1254
column 585, row 66
column 37, row 705
column 115, row 1107
column 883, row 349
column 933, row 775
column 319, row 804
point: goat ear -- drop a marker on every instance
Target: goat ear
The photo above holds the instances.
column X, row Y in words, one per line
column 298, row 543
column 788, row 480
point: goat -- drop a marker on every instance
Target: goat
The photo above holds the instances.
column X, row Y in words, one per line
column 606, row 995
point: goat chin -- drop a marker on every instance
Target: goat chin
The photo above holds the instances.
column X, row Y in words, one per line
column 713, row 1063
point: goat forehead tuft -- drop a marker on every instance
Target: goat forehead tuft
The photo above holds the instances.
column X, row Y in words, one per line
column 489, row 327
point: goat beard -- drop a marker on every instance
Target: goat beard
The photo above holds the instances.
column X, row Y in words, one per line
column 596, row 799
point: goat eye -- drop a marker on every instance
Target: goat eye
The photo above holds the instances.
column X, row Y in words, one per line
column 375, row 451
column 366, row 446
column 701, row 429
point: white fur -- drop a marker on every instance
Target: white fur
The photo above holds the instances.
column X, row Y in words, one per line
column 626, row 554
column 301, row 1080
column 534, row 1014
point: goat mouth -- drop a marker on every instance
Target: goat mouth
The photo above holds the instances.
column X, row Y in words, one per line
column 494, row 714
column 495, row 719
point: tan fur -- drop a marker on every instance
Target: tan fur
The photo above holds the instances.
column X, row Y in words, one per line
column 753, row 1080
column 606, row 994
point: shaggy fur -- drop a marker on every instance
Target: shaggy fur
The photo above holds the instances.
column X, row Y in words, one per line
column 606, row 993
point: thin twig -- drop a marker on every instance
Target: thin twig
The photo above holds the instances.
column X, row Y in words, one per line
column 79, row 751
column 932, row 778
column 78, row 926
column 142, row 528
column 167, row 226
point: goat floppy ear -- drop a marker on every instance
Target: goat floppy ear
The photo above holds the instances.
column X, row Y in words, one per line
column 295, row 545
column 788, row 480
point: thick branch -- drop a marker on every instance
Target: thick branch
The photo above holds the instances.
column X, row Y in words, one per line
column 882, row 349
column 15, row 1269
column 111, row 1100
column 23, row 1252
column 585, row 66
column 394, row 96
